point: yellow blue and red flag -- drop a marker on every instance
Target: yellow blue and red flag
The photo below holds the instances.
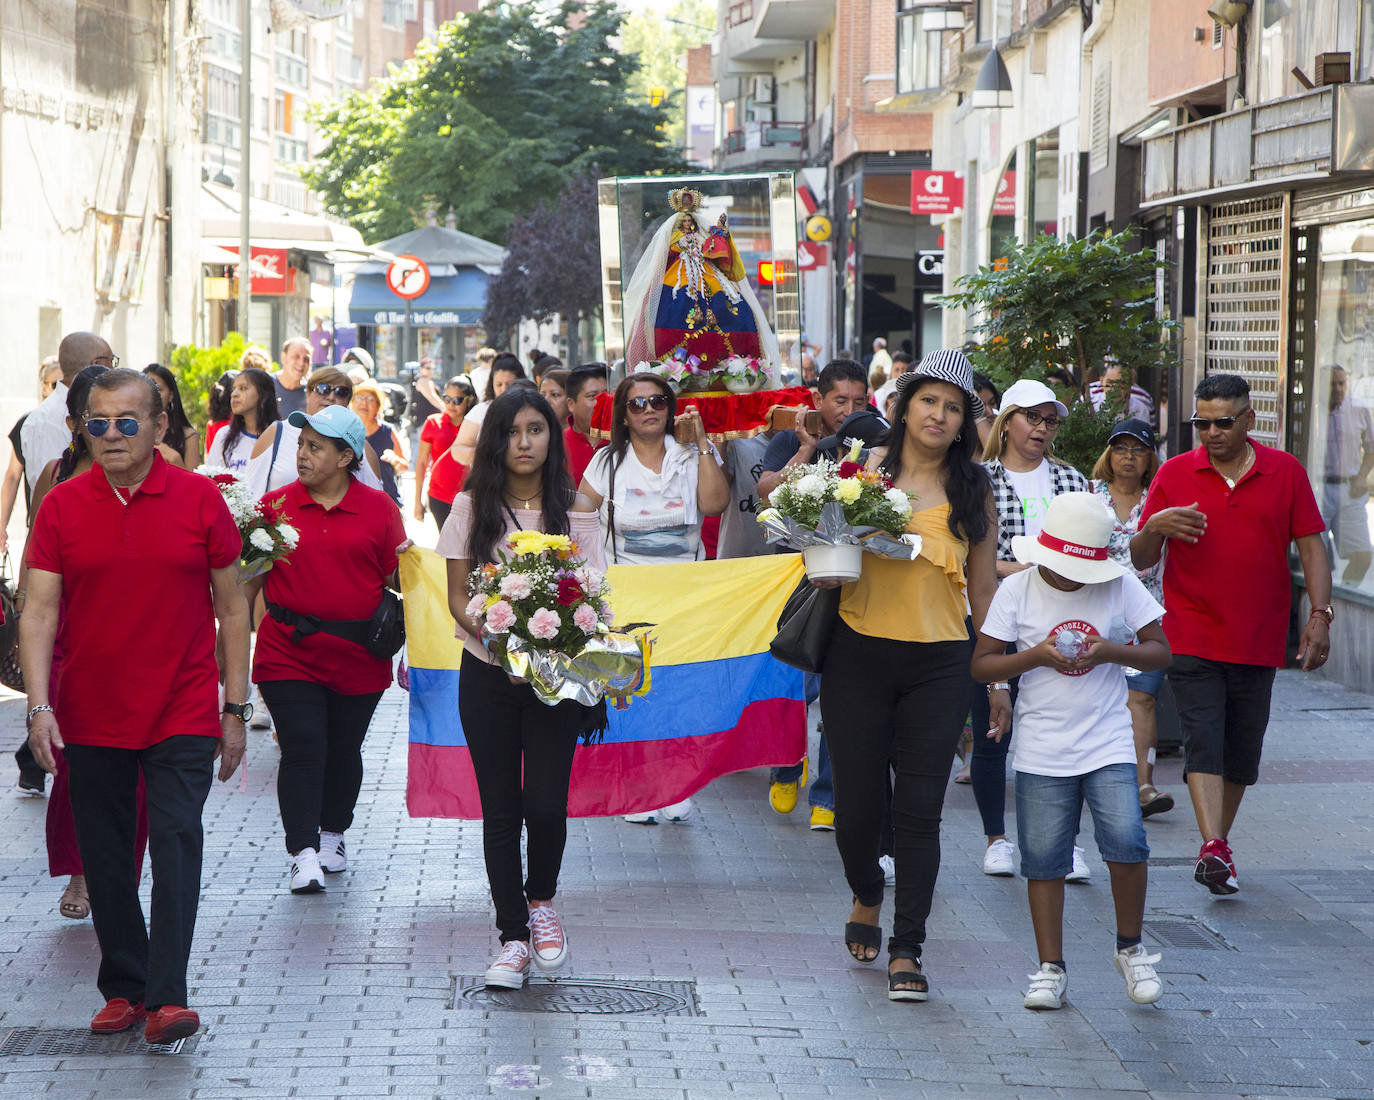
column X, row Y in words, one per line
column 719, row 702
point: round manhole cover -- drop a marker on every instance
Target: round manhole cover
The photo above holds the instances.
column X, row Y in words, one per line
column 592, row 998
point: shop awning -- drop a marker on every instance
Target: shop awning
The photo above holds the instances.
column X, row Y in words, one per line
column 456, row 296
column 275, row 226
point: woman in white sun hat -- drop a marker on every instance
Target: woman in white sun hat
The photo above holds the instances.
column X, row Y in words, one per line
column 1025, row 475
column 1072, row 615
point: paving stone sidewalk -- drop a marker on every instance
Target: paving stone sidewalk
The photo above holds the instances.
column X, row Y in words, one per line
column 361, row 991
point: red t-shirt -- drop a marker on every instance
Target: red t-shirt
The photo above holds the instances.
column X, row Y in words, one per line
column 137, row 633
column 1227, row 596
column 580, row 450
column 445, row 472
column 212, row 430
column 338, row 571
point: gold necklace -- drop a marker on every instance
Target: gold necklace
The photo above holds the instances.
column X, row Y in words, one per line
column 1244, row 466
column 525, row 504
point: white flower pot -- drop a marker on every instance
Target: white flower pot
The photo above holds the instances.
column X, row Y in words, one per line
column 740, row 384
column 834, row 563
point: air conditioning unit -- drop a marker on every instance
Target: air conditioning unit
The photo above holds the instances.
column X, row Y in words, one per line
column 763, row 89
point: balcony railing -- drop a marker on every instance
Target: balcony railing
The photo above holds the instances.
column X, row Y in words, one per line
column 772, row 136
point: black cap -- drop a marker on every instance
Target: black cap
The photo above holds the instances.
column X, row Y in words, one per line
column 1136, row 429
column 865, row 424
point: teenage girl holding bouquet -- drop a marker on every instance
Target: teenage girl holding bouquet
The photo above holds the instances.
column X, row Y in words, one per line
column 521, row 749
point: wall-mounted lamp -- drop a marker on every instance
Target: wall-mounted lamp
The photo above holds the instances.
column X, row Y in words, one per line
column 993, row 86
column 1228, row 12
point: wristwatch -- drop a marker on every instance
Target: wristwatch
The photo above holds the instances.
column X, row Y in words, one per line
column 242, row 711
column 1327, row 612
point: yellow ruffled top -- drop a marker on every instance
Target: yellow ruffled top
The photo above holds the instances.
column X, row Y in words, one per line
column 913, row 601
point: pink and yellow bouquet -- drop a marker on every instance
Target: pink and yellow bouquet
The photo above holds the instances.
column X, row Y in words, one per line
column 545, row 617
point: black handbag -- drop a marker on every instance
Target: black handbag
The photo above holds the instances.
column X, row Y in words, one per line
column 11, row 673
column 805, row 625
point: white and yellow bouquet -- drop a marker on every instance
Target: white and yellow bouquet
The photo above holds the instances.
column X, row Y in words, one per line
column 267, row 537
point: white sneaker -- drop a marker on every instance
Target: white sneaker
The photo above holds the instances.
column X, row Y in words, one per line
column 333, row 858
column 1138, row 968
column 307, row 876
column 1080, row 872
column 889, row 866
column 511, row 967
column 547, row 938
column 648, row 817
column 999, row 858
column 1047, row 988
column 678, row 812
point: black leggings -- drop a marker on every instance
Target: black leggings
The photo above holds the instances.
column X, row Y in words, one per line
column 988, row 769
column 321, row 772
column 508, row 731
column 900, row 704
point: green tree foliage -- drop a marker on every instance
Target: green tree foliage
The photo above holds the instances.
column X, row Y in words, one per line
column 553, row 265
column 661, row 37
column 1056, row 306
column 497, row 112
column 196, row 370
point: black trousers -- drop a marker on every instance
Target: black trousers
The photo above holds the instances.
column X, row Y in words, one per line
column 440, row 509
column 522, row 754
column 141, row 962
column 898, row 704
column 321, row 772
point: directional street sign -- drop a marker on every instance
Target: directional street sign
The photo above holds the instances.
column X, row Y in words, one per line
column 407, row 276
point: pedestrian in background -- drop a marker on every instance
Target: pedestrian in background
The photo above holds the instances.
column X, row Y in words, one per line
column 296, row 354
column 253, row 402
column 894, row 693
column 384, row 441
column 1227, row 513
column 1025, row 475
column 585, row 384
column 321, row 686
column 425, row 399
column 180, row 437
column 152, row 665
column 434, row 457
column 521, row 749
column 217, row 406
column 49, row 375
column 1120, row 477
column 45, row 434
column 505, row 369
column 1073, row 729
column 553, row 385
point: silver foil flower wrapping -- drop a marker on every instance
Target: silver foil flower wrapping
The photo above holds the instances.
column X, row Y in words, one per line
column 832, row 530
column 608, row 664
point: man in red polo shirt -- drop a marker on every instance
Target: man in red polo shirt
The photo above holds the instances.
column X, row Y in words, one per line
column 1227, row 512
column 129, row 566
column 585, row 384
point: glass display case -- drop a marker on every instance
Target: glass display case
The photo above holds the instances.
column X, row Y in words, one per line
column 762, row 221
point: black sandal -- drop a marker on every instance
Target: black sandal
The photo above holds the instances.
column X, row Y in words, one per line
column 914, row 976
column 858, row 934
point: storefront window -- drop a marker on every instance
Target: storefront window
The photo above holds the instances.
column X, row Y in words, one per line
column 1044, row 197
column 1340, row 454
column 1002, row 223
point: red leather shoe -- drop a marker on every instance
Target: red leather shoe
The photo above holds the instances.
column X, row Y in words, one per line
column 118, row 1015
column 170, row 1023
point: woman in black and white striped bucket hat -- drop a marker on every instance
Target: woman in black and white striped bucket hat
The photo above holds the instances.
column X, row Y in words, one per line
column 947, row 365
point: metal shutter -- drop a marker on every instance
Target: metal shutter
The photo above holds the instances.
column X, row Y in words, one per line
column 1245, row 304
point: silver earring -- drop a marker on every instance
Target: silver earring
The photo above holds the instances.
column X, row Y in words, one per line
column 959, row 438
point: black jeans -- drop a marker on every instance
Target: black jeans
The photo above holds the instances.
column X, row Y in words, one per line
column 440, row 509
column 142, row 963
column 321, row 772
column 901, row 703
column 987, row 771
column 509, row 731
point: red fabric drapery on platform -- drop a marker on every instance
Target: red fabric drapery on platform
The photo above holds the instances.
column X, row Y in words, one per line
column 726, row 415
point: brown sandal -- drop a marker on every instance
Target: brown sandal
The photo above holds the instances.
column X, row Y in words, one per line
column 75, row 903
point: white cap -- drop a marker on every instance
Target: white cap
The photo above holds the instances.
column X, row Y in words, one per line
column 1026, row 393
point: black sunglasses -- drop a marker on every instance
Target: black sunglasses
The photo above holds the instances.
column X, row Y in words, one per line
column 658, row 402
column 97, row 426
column 324, row 389
column 1224, row 423
column 457, row 400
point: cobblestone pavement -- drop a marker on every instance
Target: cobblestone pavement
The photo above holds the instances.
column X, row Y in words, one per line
column 352, row 992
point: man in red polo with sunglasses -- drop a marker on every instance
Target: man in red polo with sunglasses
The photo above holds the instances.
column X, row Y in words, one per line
column 129, row 567
column 1223, row 517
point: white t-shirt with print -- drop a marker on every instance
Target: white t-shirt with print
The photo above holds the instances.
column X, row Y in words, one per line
column 1069, row 723
column 656, row 516
column 1035, row 490
column 236, row 461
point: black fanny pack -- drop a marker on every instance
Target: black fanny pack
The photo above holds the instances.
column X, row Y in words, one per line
column 382, row 635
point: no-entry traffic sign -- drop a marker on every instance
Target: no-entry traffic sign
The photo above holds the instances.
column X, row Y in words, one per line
column 407, row 276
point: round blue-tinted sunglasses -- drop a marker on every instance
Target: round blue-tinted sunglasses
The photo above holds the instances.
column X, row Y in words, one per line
column 97, row 426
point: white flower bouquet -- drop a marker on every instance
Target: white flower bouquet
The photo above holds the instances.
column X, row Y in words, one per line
column 833, row 511
column 545, row 617
column 267, row 537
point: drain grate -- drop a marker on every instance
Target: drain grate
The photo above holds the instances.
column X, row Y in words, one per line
column 46, row 1042
column 597, row 998
column 1185, row 934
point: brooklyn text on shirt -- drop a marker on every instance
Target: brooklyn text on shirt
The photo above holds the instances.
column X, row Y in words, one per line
column 1082, row 626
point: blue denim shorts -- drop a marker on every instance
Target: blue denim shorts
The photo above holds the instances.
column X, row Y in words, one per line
column 1148, row 682
column 1048, row 808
